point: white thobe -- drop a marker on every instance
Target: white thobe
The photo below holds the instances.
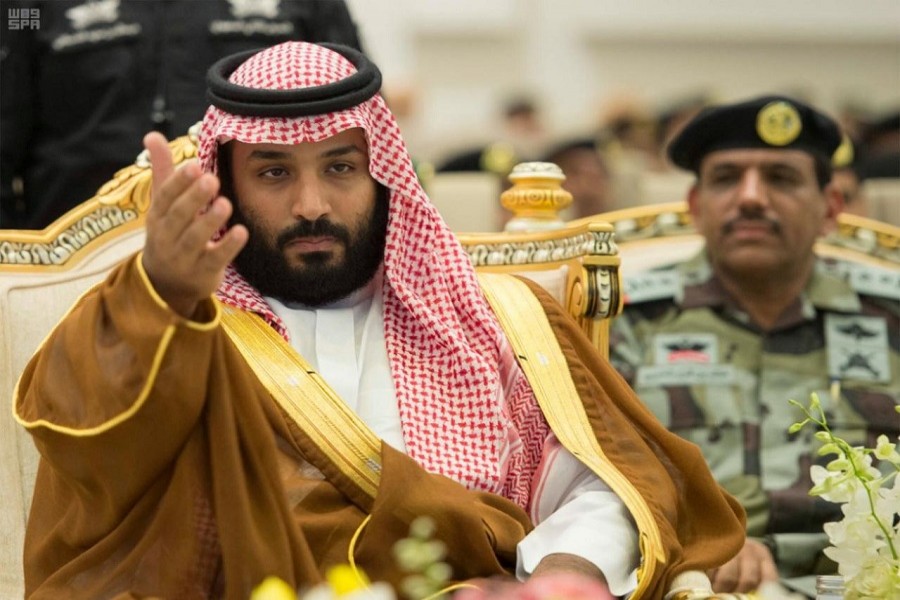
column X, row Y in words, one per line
column 574, row 511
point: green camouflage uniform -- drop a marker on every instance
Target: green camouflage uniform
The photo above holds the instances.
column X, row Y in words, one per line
column 712, row 376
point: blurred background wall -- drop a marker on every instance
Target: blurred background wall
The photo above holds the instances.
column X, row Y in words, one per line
column 449, row 65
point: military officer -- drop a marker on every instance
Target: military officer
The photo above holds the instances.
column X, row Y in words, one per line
column 716, row 346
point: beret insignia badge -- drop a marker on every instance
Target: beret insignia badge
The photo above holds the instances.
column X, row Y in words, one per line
column 778, row 123
column 843, row 156
column 498, row 158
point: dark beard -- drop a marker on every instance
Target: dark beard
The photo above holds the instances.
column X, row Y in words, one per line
column 316, row 282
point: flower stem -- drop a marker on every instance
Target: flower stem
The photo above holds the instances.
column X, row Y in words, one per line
column 847, row 453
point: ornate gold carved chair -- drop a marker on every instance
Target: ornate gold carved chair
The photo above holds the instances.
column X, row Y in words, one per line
column 42, row 273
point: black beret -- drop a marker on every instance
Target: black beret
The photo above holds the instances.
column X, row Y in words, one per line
column 764, row 122
column 580, row 143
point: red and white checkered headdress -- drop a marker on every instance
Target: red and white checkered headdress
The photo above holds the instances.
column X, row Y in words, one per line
column 467, row 411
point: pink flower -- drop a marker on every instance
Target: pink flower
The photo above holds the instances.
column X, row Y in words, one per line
column 556, row 586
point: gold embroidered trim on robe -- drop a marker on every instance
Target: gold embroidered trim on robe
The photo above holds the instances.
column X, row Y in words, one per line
column 546, row 369
column 302, row 393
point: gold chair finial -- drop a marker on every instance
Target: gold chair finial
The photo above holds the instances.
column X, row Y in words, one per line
column 536, row 197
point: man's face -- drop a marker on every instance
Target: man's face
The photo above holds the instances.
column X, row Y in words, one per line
column 761, row 210
column 848, row 183
column 316, row 217
column 586, row 180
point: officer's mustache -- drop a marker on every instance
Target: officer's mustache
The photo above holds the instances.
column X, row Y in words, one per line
column 755, row 218
column 318, row 228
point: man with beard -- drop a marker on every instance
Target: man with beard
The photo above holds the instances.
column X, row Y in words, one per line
column 301, row 362
column 717, row 346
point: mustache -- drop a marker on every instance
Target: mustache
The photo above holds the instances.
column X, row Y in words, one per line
column 729, row 226
column 318, row 228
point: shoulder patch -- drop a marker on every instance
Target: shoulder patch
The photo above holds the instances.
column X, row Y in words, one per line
column 652, row 285
column 857, row 348
column 874, row 281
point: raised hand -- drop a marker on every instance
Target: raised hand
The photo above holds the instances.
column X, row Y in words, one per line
column 183, row 263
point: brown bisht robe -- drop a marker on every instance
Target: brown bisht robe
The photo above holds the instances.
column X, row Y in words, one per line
column 161, row 476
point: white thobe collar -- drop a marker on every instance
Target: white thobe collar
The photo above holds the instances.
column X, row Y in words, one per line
column 344, row 342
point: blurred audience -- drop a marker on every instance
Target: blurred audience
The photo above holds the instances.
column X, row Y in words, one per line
column 622, row 163
column 879, row 166
column 521, row 137
column 79, row 92
column 671, row 120
column 847, row 178
column 881, row 147
column 587, row 177
column 627, row 141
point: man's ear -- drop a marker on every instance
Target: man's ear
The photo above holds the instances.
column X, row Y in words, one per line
column 834, row 205
column 692, row 199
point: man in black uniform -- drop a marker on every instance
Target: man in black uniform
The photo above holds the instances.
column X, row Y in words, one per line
column 83, row 81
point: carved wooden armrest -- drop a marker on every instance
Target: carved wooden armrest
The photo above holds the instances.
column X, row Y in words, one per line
column 118, row 207
column 539, row 245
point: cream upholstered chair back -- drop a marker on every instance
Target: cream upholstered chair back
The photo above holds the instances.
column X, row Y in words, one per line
column 33, row 297
column 42, row 273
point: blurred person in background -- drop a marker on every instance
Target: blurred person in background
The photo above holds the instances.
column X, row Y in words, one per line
column 878, row 165
column 522, row 137
column 626, row 138
column 78, row 91
column 880, row 153
column 848, row 178
column 587, row 177
column 672, row 119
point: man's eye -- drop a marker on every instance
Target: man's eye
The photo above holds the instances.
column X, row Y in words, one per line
column 782, row 178
column 273, row 173
column 723, row 178
column 341, row 168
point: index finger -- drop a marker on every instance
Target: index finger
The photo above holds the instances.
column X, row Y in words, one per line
column 162, row 165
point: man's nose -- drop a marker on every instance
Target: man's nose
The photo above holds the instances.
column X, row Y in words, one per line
column 751, row 188
column 309, row 201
